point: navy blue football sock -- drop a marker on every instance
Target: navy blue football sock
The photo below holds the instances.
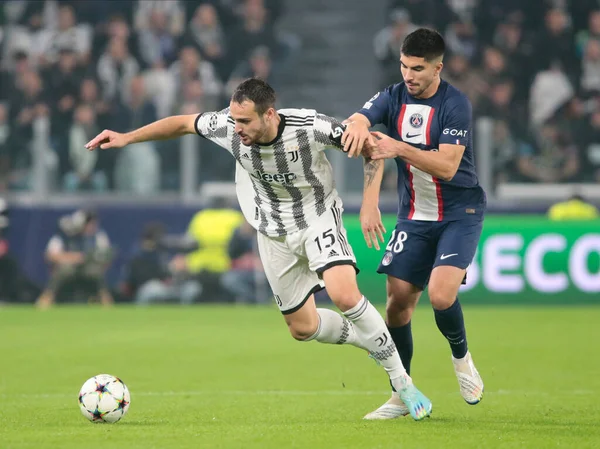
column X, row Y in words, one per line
column 402, row 337
column 451, row 324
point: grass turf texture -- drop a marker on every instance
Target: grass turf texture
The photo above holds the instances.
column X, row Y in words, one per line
column 231, row 377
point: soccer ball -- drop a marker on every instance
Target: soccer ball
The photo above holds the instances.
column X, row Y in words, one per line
column 104, row 398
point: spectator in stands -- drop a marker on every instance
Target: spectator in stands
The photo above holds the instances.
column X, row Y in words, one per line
column 77, row 37
column 157, row 44
column 555, row 46
column 206, row 35
column 506, row 146
column 117, row 26
column 154, row 276
column 137, row 166
column 116, row 69
column 387, row 44
column 79, row 255
column 254, row 31
column 29, row 105
column 553, row 158
column 190, row 67
column 84, row 174
column 29, row 38
column 461, row 38
column 575, row 208
column 259, row 65
column 459, row 73
column 246, row 275
column 592, row 32
column 89, row 95
column 62, row 85
column 590, row 64
column 517, row 48
column 550, row 91
column 192, row 101
column 172, row 10
column 211, row 229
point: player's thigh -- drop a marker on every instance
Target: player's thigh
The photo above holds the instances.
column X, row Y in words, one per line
column 291, row 280
column 329, row 254
column 409, row 254
column 456, row 249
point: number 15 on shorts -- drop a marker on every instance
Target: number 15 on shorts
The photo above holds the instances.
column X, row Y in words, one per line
column 325, row 240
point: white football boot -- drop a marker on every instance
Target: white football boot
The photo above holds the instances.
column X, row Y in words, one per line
column 407, row 400
column 393, row 408
column 469, row 380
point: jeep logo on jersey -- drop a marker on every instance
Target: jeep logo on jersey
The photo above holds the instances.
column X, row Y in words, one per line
column 279, row 178
column 456, row 132
column 416, row 120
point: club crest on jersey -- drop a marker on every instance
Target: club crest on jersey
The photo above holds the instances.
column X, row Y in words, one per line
column 279, row 178
column 416, row 120
column 387, row 259
column 293, row 155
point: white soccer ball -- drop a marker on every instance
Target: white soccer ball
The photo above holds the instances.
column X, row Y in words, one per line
column 104, row 398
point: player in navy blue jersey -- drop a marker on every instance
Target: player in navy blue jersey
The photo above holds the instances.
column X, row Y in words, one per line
column 441, row 204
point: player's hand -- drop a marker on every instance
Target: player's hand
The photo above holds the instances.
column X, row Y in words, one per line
column 372, row 226
column 107, row 139
column 386, row 147
column 354, row 138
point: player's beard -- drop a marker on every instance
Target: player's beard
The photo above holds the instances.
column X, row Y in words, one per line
column 260, row 136
column 422, row 88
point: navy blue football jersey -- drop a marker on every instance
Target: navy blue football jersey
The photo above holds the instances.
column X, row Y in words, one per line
column 445, row 118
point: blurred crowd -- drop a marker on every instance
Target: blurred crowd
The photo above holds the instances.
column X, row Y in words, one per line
column 214, row 260
column 532, row 67
column 70, row 68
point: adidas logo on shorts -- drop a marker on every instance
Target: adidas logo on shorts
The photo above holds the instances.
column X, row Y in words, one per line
column 332, row 253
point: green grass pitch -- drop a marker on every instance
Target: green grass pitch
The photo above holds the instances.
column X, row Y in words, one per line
column 231, row 377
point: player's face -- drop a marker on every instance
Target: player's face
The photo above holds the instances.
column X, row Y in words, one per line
column 249, row 125
column 419, row 75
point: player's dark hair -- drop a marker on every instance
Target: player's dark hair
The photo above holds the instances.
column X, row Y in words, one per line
column 424, row 43
column 257, row 91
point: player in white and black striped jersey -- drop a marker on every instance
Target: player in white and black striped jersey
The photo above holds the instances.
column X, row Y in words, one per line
column 284, row 184
column 286, row 191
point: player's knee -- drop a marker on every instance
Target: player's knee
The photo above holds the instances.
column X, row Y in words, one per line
column 398, row 313
column 345, row 299
column 440, row 299
column 399, row 308
column 302, row 331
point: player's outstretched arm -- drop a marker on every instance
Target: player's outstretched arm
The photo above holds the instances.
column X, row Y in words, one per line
column 166, row 128
column 356, row 134
column 370, row 216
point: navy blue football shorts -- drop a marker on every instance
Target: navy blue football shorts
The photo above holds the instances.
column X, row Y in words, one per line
column 416, row 247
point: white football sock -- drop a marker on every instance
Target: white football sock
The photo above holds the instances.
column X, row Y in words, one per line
column 335, row 329
column 374, row 335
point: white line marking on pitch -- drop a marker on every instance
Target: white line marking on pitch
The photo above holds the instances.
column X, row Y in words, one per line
column 296, row 393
